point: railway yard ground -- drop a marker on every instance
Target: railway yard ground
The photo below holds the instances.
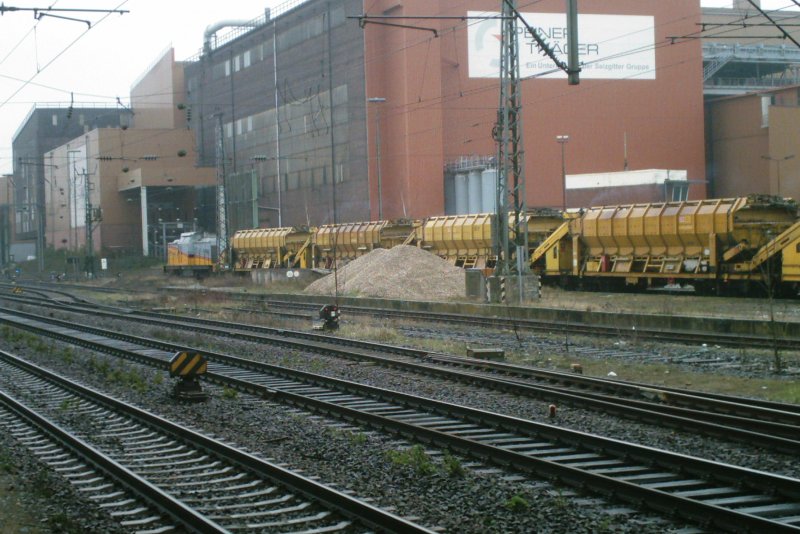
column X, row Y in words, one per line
column 423, row 480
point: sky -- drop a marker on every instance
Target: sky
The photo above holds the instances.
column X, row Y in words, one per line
column 54, row 60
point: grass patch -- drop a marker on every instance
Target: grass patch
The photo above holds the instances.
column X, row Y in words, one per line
column 379, row 334
column 517, row 504
column 452, row 466
column 6, row 463
column 414, row 457
column 657, row 374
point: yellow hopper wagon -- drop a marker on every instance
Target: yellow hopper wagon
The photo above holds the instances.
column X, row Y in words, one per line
column 714, row 245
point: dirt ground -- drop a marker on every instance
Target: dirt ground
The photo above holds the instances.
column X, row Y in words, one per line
column 660, row 303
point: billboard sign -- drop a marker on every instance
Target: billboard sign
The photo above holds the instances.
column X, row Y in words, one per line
column 610, row 47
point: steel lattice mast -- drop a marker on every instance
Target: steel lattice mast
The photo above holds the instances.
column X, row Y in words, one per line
column 222, row 205
column 510, row 153
column 511, row 200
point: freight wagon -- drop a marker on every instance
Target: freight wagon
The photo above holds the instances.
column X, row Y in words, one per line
column 303, row 247
column 718, row 246
column 467, row 240
column 272, row 248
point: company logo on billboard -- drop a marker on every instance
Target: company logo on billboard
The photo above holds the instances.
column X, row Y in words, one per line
column 627, row 41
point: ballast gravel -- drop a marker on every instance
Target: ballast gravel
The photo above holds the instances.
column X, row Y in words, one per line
column 448, row 493
column 482, row 499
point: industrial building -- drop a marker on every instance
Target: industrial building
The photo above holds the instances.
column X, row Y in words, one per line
column 320, row 111
column 46, row 127
column 414, row 106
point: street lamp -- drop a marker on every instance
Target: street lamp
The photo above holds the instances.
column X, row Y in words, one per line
column 563, row 140
column 378, row 100
column 778, row 162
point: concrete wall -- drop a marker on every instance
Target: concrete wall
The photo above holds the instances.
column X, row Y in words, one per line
column 750, row 148
column 156, row 95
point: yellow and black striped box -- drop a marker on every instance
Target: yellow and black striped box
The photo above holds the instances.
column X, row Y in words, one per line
column 186, row 364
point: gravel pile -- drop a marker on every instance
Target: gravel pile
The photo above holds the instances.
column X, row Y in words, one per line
column 401, row 272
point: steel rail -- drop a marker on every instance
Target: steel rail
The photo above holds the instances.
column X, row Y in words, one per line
column 671, row 469
column 140, row 487
column 764, row 426
column 600, row 384
column 366, row 514
column 672, row 336
column 685, row 336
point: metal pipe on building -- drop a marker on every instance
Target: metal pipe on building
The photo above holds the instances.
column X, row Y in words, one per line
column 214, row 28
column 277, row 118
column 378, row 100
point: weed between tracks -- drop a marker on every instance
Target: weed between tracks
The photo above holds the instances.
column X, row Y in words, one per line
column 778, row 389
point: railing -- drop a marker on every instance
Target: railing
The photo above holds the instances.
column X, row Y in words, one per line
column 712, row 51
column 471, row 162
column 261, row 20
column 751, row 82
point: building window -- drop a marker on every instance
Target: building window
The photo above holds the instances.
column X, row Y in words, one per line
column 55, row 119
column 250, row 123
column 227, row 67
column 229, row 129
column 246, row 59
column 766, row 102
column 236, row 63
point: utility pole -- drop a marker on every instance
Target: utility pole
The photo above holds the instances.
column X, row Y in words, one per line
column 378, row 100
column 508, row 134
column 222, row 207
column 510, row 153
column 563, row 140
column 93, row 215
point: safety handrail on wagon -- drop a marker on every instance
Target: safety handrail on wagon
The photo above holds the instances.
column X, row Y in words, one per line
column 300, row 252
column 776, row 245
column 550, row 242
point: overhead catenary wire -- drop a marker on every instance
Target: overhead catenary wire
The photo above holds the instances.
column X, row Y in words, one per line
column 59, row 54
column 408, row 107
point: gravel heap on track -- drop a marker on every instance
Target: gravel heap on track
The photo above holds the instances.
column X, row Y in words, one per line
column 401, row 272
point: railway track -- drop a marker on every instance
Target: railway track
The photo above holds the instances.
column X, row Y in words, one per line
column 299, row 310
column 718, row 496
column 688, row 337
column 767, row 424
column 186, row 479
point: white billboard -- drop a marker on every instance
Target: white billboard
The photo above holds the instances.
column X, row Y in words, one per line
column 609, row 46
